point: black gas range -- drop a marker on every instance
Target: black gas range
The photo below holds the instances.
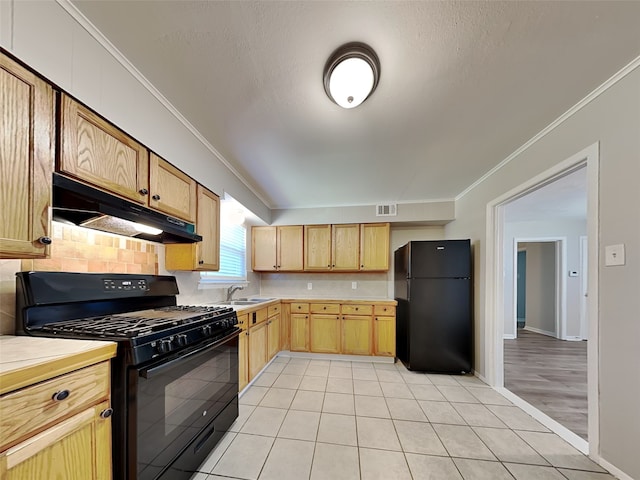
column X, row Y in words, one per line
column 175, row 376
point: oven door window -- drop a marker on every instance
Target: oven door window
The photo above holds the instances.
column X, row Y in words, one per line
column 176, row 399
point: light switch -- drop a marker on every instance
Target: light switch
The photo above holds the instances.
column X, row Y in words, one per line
column 614, row 255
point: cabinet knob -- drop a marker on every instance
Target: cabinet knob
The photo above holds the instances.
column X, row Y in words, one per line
column 106, row 413
column 143, row 191
column 275, row 267
column 45, row 240
column 200, row 262
column 156, row 197
column 356, row 309
column 361, row 266
column 61, row 395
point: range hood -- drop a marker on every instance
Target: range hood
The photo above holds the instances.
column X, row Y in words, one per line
column 79, row 204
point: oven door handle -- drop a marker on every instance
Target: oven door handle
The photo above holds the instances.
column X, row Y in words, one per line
column 152, row 371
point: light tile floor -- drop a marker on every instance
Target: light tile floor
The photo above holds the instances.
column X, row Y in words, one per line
column 308, row 419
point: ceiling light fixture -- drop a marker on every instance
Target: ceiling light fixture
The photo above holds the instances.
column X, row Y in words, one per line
column 351, row 74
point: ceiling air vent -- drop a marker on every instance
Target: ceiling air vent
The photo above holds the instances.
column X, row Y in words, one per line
column 390, row 210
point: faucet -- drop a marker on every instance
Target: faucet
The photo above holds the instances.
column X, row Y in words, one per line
column 232, row 289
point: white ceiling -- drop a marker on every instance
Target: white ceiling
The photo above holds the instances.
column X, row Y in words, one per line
column 463, row 85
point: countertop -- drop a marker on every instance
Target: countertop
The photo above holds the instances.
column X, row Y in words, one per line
column 27, row 360
column 275, row 301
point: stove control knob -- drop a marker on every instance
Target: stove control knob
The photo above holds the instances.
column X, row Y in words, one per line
column 164, row 346
column 206, row 329
column 181, row 340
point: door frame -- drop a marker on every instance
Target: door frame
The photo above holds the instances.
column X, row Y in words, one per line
column 494, row 285
column 584, row 288
column 560, row 320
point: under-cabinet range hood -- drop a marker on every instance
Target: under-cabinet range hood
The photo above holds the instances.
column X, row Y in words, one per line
column 79, row 204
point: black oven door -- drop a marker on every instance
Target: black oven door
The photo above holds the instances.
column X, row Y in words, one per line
column 176, row 402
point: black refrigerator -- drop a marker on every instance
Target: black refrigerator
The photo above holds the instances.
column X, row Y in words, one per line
column 432, row 284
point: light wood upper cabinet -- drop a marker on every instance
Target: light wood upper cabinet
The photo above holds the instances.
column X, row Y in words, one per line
column 26, row 162
column 345, row 247
column 333, row 248
column 317, row 248
column 94, row 151
column 170, row 190
column 374, row 246
column 277, row 248
column 204, row 255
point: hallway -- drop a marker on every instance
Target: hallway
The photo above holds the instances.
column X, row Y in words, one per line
column 551, row 375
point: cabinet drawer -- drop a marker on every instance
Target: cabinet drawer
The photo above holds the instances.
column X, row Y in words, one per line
column 387, row 310
column 31, row 409
column 325, row 308
column 353, row 309
column 258, row 316
column 273, row 310
column 243, row 321
column 299, row 308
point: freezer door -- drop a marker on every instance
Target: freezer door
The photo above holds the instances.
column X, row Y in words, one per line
column 440, row 259
column 440, row 326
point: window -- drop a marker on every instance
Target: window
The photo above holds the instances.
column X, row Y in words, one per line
column 233, row 245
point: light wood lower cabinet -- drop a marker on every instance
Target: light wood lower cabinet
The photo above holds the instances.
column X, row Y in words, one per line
column 299, row 332
column 384, row 336
column 78, row 448
column 243, row 352
column 324, row 333
column 257, row 349
column 59, row 428
column 356, row 335
column 273, row 336
column 349, row 328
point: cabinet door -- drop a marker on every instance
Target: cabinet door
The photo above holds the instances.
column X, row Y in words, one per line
column 243, row 360
column 204, row 255
column 299, row 332
column 170, row 190
column 263, row 249
column 317, row 247
column 26, row 162
column 325, row 333
column 78, row 448
column 208, row 226
column 374, row 246
column 257, row 349
column 290, row 245
column 273, row 336
column 384, row 336
column 356, row 334
column 345, row 247
column 93, row 150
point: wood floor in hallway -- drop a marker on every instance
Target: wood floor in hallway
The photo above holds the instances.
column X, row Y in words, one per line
column 551, row 375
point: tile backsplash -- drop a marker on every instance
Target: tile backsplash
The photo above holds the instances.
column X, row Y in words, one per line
column 76, row 249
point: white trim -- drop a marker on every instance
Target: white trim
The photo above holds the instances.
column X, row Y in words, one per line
column 509, row 336
column 494, row 278
column 584, row 288
column 559, row 429
column 616, row 77
column 561, row 282
column 92, row 30
column 541, row 332
column 613, row 470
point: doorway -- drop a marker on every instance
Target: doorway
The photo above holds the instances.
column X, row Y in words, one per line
column 497, row 316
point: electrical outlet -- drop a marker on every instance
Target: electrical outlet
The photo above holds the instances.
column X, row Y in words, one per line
column 354, row 285
column 614, row 255
column 309, row 286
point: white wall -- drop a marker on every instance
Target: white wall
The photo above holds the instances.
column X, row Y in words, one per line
column 569, row 229
column 613, row 120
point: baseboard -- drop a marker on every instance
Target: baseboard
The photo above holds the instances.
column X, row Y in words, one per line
column 509, row 336
column 613, row 470
column 563, row 432
column 572, row 339
column 336, row 356
column 541, row 332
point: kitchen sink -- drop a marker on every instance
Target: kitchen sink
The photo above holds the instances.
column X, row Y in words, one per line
column 245, row 301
